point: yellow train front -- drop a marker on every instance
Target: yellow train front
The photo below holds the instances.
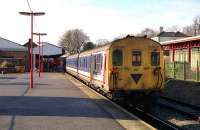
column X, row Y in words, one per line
column 128, row 68
column 136, row 68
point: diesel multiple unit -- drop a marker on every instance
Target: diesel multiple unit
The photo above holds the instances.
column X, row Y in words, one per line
column 127, row 68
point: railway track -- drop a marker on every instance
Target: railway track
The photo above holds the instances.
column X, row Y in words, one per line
column 190, row 110
column 147, row 117
column 177, row 113
column 153, row 120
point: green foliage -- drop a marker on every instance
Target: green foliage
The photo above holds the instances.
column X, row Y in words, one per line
column 88, row 46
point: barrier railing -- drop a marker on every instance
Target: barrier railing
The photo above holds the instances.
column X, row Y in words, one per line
column 182, row 71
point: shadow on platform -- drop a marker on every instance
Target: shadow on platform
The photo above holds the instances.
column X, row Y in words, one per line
column 8, row 77
column 55, row 106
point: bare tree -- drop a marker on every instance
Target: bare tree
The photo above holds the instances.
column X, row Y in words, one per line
column 196, row 25
column 174, row 28
column 121, row 36
column 73, row 40
column 194, row 28
column 101, row 42
column 188, row 30
column 147, row 32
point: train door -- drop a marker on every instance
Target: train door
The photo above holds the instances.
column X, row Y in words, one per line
column 117, row 70
column 91, row 68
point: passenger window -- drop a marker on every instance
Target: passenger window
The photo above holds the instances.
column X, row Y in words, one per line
column 95, row 67
column 155, row 58
column 98, row 63
column 136, row 58
column 117, row 57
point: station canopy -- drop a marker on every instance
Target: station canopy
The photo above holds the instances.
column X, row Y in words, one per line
column 7, row 45
column 48, row 50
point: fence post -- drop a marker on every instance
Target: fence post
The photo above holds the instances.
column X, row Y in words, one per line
column 164, row 70
column 174, row 70
column 197, row 70
column 184, row 71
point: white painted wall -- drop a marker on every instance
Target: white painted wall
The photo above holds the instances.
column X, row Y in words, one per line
column 163, row 39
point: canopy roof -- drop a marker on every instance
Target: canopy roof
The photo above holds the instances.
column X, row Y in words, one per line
column 7, row 45
column 48, row 49
column 182, row 40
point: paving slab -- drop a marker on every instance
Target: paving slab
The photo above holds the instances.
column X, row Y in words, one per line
column 55, row 103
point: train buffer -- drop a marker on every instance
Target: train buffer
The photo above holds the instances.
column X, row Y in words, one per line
column 59, row 102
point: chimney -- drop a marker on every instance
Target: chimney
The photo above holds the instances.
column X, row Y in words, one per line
column 161, row 29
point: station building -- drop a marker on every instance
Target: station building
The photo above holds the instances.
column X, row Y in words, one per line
column 184, row 54
column 185, row 49
column 13, row 56
column 16, row 58
column 50, row 57
column 166, row 36
column 163, row 36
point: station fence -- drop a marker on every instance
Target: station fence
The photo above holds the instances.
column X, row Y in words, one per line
column 182, row 71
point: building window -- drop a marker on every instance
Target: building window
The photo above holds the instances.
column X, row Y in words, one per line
column 136, row 58
column 155, row 58
column 117, row 57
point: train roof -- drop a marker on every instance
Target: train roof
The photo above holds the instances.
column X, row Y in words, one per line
column 128, row 37
column 107, row 46
column 98, row 49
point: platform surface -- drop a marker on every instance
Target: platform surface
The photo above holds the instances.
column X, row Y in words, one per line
column 57, row 102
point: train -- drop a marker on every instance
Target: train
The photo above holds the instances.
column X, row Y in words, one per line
column 130, row 68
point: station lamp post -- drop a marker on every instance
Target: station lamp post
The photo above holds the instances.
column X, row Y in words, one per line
column 31, row 41
column 39, row 59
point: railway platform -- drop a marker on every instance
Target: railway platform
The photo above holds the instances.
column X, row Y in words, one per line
column 189, row 91
column 59, row 102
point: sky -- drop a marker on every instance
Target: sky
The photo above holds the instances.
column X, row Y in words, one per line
column 99, row 19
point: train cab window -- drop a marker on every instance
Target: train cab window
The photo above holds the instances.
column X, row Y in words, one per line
column 117, row 57
column 136, row 58
column 155, row 58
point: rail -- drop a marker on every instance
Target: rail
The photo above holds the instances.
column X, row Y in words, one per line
column 147, row 117
column 184, row 108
